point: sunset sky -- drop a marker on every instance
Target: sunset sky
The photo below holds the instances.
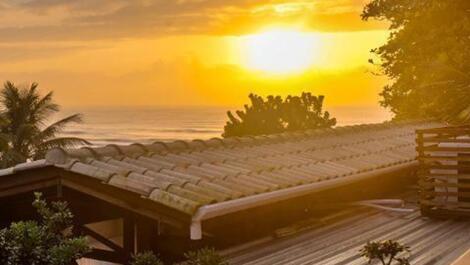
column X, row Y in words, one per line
column 190, row 52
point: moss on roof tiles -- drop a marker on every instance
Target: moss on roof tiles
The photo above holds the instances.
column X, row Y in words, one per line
column 132, row 184
column 215, row 193
column 150, row 180
column 88, row 170
column 228, row 191
column 201, row 198
column 174, row 201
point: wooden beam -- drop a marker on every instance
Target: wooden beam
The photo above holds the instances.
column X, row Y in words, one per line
column 25, row 178
column 29, row 187
column 89, row 232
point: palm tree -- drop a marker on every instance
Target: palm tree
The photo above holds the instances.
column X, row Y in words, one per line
column 6, row 153
column 25, row 116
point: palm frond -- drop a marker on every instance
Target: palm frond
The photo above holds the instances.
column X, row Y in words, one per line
column 62, row 142
column 4, row 142
column 44, row 107
column 57, row 127
column 65, row 142
column 10, row 96
column 8, row 156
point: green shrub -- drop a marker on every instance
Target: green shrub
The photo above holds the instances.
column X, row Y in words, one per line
column 204, row 256
column 46, row 242
column 146, row 258
column 386, row 252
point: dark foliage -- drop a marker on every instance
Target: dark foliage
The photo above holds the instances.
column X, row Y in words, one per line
column 204, row 256
column 427, row 57
column 25, row 131
column 275, row 115
column 146, row 258
column 387, row 252
column 47, row 242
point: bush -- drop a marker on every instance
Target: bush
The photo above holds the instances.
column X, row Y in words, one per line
column 386, row 252
column 275, row 115
column 146, row 258
column 205, row 256
column 47, row 242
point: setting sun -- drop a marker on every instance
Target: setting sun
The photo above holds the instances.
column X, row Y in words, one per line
column 280, row 51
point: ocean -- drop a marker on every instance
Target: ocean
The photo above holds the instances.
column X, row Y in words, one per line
column 125, row 125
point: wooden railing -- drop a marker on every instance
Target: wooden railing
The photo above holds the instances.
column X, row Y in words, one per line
column 444, row 173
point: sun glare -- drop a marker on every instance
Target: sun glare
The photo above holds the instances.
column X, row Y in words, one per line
column 280, row 51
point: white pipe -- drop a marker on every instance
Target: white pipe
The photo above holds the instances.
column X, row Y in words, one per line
column 223, row 208
column 387, row 208
column 385, row 201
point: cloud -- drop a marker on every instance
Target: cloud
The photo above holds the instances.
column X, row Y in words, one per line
column 14, row 54
column 104, row 19
column 190, row 82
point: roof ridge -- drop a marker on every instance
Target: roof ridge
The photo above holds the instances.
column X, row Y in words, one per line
column 61, row 156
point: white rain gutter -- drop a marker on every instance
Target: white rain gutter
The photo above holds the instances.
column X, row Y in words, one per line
column 386, row 205
column 227, row 207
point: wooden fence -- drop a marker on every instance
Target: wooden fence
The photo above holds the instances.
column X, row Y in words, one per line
column 444, row 173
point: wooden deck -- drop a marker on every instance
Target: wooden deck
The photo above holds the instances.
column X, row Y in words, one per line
column 337, row 239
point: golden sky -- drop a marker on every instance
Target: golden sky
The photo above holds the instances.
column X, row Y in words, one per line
column 190, row 52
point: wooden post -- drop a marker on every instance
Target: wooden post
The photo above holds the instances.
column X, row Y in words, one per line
column 128, row 237
column 422, row 170
column 146, row 235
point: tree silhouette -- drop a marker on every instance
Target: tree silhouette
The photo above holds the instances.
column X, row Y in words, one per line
column 25, row 114
column 427, row 57
column 275, row 115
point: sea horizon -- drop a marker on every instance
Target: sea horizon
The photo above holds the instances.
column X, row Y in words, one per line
column 145, row 124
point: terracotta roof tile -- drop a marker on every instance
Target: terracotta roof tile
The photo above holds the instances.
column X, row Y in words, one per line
column 157, row 160
column 197, row 144
column 142, row 163
column 214, row 192
column 132, row 184
column 174, row 201
column 232, row 193
column 95, row 172
column 201, row 198
column 186, row 175
column 157, row 147
column 181, row 175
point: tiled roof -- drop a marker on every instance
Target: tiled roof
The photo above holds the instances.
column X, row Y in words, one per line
column 187, row 175
column 337, row 239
